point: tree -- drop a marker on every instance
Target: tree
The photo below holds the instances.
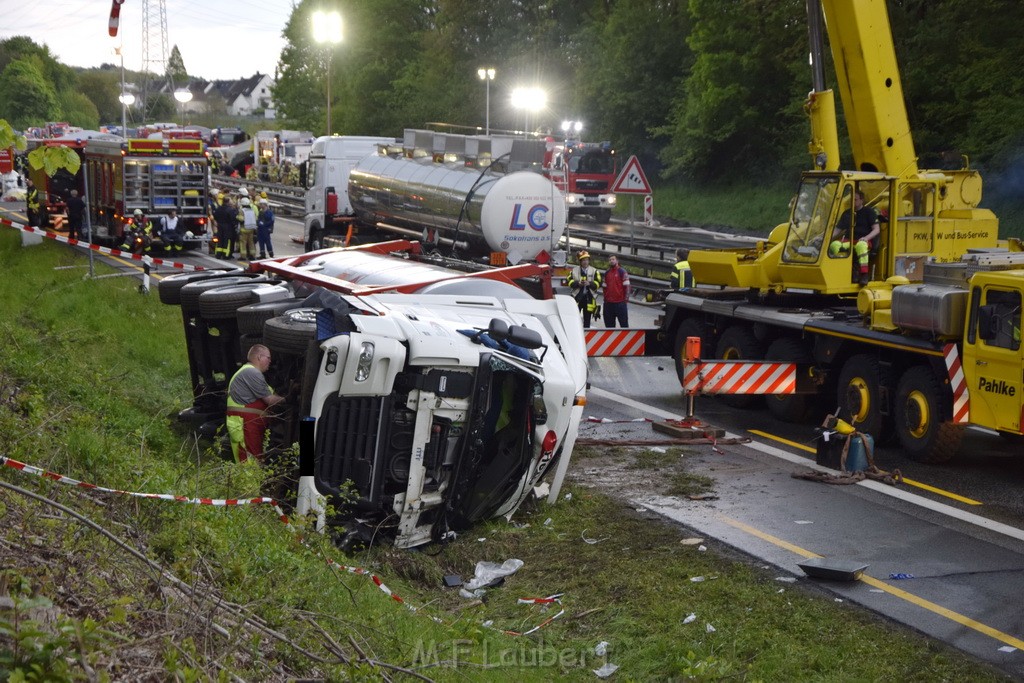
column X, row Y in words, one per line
column 102, row 86
column 739, row 109
column 78, row 110
column 26, row 98
column 176, row 68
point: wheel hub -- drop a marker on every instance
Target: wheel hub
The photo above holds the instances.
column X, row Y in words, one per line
column 917, row 414
column 858, row 399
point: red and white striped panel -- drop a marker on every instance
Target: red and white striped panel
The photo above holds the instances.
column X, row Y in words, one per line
column 615, row 342
column 958, row 383
column 739, row 377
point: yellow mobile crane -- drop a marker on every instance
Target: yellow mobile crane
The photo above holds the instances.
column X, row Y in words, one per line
column 924, row 214
column 933, row 343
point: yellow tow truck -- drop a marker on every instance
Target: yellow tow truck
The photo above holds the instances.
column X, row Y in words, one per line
column 927, row 340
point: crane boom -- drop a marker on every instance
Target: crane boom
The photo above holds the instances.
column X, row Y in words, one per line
column 869, row 86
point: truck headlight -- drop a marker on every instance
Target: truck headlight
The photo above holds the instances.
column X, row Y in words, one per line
column 612, row 200
column 365, row 360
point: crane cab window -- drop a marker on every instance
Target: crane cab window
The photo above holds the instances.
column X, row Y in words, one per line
column 810, row 219
column 999, row 319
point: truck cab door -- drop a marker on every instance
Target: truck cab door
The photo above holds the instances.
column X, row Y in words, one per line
column 992, row 357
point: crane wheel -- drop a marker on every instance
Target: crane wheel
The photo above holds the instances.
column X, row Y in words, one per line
column 739, row 343
column 691, row 327
column 925, row 437
column 792, row 407
column 863, row 387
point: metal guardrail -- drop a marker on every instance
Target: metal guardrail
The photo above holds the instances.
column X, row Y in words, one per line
column 286, row 199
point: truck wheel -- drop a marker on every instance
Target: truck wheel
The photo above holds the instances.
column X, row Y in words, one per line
column 860, row 395
column 252, row 317
column 316, row 238
column 223, row 303
column 918, row 418
column 190, row 292
column 291, row 332
column 603, row 215
column 170, row 287
column 691, row 327
column 739, row 343
column 793, row 407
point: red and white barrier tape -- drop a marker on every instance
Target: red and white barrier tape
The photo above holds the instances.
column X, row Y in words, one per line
column 231, row 502
column 555, row 599
column 103, row 250
column 215, row 502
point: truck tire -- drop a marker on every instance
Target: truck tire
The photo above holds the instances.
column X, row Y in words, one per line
column 739, row 343
column 690, row 327
column 245, row 342
column 793, row 407
column 170, row 287
column 859, row 395
column 252, row 317
column 925, row 437
column 316, row 238
column 291, row 332
column 223, row 303
column 603, row 215
column 190, row 293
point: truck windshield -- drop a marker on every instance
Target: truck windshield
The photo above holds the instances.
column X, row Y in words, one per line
column 593, row 162
column 810, row 220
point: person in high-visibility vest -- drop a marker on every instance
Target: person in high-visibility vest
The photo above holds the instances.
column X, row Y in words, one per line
column 683, row 275
column 249, row 396
column 584, row 281
column 32, row 203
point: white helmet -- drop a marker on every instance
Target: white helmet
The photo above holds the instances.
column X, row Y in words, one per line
column 138, row 212
column 244, row 192
column 245, row 201
column 263, row 201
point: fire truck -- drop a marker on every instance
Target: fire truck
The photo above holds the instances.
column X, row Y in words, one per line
column 151, row 175
column 585, row 173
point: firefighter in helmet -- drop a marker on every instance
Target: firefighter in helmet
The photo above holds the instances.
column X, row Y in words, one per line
column 584, row 280
column 138, row 233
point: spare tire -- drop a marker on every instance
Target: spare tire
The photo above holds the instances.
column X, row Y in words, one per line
column 252, row 317
column 291, row 332
column 223, row 302
column 170, row 287
column 190, row 292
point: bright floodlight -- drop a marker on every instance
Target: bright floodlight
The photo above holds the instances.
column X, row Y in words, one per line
column 126, row 98
column 530, row 99
column 572, row 126
column 184, row 95
column 486, row 74
column 326, row 27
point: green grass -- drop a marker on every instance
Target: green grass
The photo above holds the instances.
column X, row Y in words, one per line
column 91, row 376
column 756, row 209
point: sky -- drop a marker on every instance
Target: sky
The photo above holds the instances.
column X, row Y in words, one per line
column 218, row 39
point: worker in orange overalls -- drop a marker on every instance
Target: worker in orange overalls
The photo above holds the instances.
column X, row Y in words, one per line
column 249, row 396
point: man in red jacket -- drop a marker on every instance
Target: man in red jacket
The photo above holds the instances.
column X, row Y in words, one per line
column 616, row 294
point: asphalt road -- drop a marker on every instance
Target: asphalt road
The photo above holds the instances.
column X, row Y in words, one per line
column 965, row 554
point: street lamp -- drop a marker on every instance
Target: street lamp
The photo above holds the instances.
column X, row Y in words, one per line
column 487, row 75
column 327, row 30
column 571, row 129
column 529, row 100
column 126, row 98
column 183, row 95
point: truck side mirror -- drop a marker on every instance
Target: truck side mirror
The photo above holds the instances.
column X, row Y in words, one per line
column 498, row 329
column 988, row 323
column 525, row 337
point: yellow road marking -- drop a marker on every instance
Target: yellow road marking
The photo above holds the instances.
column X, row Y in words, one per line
column 881, row 585
column 909, row 482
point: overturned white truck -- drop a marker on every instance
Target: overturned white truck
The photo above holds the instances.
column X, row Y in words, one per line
column 423, row 399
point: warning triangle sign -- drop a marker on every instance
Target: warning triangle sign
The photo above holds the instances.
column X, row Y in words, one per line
column 632, row 179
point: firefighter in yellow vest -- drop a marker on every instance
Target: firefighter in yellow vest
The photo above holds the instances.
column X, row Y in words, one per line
column 249, row 396
column 32, row 203
column 683, row 276
column 584, row 280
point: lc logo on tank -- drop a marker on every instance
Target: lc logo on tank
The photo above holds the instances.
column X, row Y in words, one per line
column 536, row 217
